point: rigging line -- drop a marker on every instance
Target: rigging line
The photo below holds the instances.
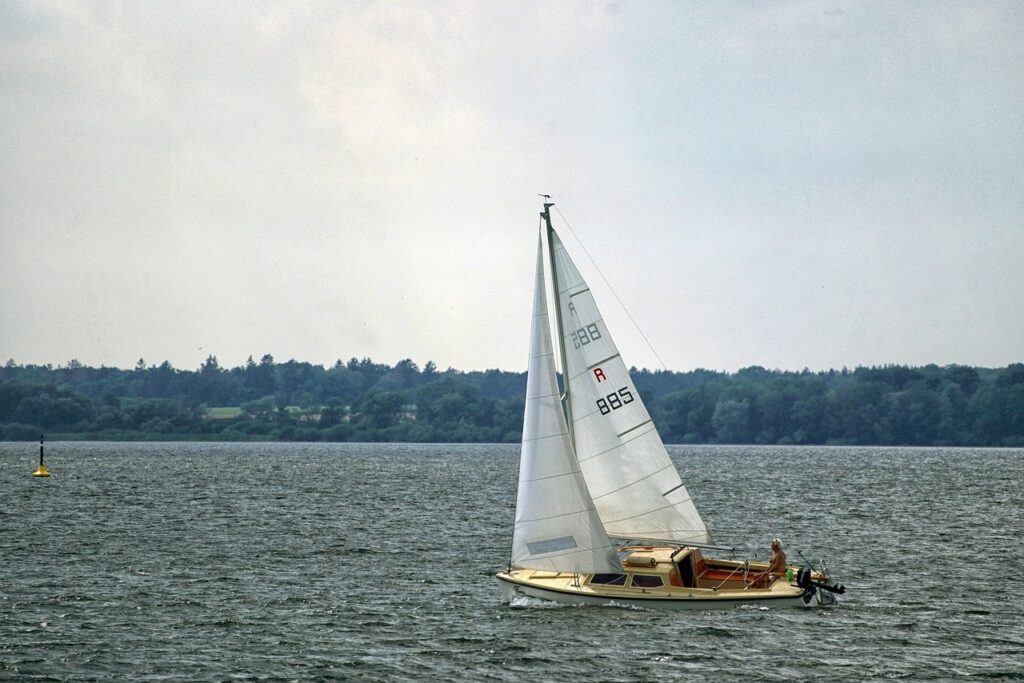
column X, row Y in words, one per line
column 558, row 516
column 634, row 483
column 673, row 489
column 555, row 476
column 635, row 427
column 651, row 512
column 769, row 527
column 612, row 289
column 618, row 445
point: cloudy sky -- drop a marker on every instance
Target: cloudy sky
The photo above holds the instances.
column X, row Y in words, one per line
column 789, row 184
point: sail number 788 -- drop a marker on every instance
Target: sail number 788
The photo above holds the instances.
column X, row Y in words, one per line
column 615, row 400
column 585, row 335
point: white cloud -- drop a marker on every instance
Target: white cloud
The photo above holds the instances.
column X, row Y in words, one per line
column 767, row 184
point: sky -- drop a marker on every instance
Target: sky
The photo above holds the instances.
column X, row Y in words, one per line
column 787, row 184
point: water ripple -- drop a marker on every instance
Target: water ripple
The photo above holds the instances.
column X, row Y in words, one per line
column 153, row 562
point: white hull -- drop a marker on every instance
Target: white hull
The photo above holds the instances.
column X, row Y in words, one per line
column 510, row 590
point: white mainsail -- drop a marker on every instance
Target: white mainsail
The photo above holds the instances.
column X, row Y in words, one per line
column 557, row 527
column 633, row 483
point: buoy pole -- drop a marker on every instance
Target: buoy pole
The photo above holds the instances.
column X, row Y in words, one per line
column 41, row 471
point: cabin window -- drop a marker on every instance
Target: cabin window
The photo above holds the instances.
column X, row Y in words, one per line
column 609, row 579
column 646, row 581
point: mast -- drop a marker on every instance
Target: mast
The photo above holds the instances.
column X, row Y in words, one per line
column 559, row 334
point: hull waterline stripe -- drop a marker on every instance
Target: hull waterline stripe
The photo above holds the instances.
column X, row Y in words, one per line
column 725, row 599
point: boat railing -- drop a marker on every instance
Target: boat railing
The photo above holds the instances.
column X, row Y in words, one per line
column 745, row 567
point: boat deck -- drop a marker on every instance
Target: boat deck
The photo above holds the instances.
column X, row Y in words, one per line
column 664, row 573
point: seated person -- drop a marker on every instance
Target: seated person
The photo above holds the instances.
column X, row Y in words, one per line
column 776, row 567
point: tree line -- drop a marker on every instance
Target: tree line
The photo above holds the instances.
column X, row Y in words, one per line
column 361, row 400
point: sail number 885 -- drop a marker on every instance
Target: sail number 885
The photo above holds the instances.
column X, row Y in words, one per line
column 615, row 400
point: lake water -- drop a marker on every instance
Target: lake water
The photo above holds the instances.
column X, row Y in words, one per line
column 210, row 562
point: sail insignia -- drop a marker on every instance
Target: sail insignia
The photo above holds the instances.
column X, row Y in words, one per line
column 551, row 545
column 622, row 458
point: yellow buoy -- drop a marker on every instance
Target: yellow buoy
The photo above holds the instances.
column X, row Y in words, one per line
column 41, row 471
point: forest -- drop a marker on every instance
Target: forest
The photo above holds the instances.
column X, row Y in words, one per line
column 364, row 401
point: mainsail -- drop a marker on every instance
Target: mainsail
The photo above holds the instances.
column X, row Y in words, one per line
column 557, row 527
column 633, row 483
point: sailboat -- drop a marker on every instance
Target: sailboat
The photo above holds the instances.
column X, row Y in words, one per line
column 602, row 516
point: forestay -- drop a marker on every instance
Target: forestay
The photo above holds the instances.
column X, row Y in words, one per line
column 557, row 527
column 633, row 483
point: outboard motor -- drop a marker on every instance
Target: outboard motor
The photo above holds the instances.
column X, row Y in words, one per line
column 810, row 586
column 803, row 580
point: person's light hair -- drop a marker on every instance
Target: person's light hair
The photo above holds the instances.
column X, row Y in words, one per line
column 777, row 541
